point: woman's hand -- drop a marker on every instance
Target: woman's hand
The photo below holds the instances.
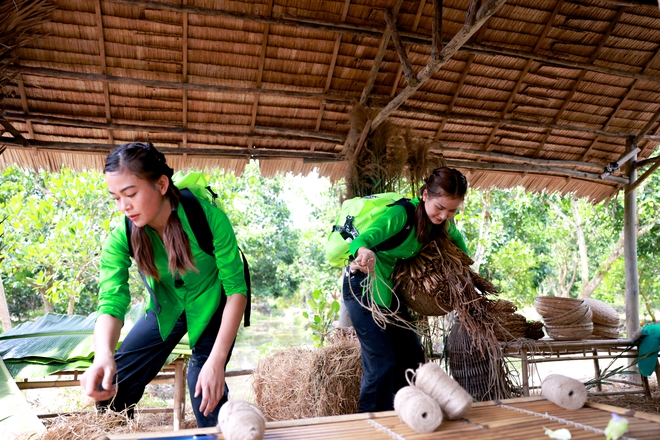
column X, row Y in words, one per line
column 211, row 384
column 97, row 381
column 365, row 260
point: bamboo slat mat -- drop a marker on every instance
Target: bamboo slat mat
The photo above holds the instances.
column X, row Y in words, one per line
column 522, row 418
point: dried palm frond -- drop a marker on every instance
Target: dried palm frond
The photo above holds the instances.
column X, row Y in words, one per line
column 377, row 164
column 20, row 23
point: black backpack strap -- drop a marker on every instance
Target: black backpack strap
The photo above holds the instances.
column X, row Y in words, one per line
column 397, row 239
column 204, row 235
column 197, row 220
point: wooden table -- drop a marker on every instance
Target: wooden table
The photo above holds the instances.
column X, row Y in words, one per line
column 548, row 350
column 522, row 419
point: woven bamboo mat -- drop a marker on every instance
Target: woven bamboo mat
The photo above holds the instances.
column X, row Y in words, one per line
column 522, row 418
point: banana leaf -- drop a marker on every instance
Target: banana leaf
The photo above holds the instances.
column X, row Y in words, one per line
column 16, row 417
column 57, row 342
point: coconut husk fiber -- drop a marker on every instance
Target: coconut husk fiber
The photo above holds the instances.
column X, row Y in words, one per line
column 440, row 275
column 302, row 383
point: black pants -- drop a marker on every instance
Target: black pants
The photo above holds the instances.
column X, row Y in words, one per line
column 143, row 352
column 386, row 354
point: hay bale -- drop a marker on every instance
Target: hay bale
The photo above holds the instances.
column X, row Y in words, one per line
column 300, row 383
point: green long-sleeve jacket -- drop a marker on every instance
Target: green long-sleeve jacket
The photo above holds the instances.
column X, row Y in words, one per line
column 200, row 294
column 388, row 224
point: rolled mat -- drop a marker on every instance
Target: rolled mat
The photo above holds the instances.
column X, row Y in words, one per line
column 564, row 391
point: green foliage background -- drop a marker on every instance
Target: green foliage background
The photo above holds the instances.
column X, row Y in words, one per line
column 55, row 225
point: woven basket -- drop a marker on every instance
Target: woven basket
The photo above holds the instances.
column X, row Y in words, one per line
column 534, row 330
column 548, row 306
column 603, row 313
column 605, row 332
column 504, row 306
column 423, row 303
column 569, row 332
column 580, row 315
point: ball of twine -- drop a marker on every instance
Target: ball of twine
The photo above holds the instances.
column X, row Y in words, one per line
column 417, row 409
column 564, row 391
column 240, row 420
column 452, row 398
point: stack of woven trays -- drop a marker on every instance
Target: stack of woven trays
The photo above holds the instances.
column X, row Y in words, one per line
column 512, row 325
column 566, row 319
column 605, row 319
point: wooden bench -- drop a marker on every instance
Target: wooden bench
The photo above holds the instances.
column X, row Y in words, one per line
column 174, row 373
column 548, row 350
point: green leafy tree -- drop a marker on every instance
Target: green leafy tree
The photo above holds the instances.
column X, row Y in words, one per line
column 321, row 315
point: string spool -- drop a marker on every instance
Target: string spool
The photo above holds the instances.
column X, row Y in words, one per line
column 565, row 392
column 240, row 420
column 417, row 409
column 454, row 401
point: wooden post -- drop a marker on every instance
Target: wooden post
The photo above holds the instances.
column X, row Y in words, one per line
column 179, row 393
column 630, row 247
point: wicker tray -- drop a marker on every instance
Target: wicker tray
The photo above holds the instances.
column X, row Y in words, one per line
column 569, row 332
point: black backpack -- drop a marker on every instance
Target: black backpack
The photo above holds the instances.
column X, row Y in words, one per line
column 204, row 236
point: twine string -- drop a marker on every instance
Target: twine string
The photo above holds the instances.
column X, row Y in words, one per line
column 559, row 419
column 387, row 431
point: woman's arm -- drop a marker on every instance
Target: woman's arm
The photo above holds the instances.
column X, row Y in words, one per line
column 103, row 369
column 211, row 381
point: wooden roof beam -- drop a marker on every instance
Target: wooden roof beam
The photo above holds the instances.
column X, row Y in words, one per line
column 212, row 151
column 104, row 67
column 521, row 159
column 407, row 37
column 564, row 172
column 528, row 64
column 24, row 104
column 503, row 122
column 282, row 134
column 581, row 76
column 400, row 49
column 331, row 68
column 644, row 176
column 40, row 71
column 18, row 137
column 621, row 103
column 483, row 14
column 436, row 29
column 384, row 41
column 184, row 75
column 418, row 17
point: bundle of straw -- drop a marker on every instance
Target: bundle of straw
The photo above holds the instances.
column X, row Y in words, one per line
column 440, row 275
column 302, row 383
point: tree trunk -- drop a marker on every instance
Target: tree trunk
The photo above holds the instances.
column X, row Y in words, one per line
column 483, row 231
column 582, row 245
column 71, row 305
column 4, row 310
column 48, row 305
column 616, row 253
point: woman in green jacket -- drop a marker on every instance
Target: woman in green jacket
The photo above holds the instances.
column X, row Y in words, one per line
column 194, row 293
column 388, row 352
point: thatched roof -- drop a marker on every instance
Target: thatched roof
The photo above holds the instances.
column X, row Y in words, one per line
column 544, row 93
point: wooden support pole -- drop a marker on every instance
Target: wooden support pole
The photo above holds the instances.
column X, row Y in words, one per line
column 400, row 50
column 436, row 29
column 484, row 13
column 630, row 249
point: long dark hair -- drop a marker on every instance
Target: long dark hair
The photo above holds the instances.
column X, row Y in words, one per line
column 443, row 182
column 147, row 163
